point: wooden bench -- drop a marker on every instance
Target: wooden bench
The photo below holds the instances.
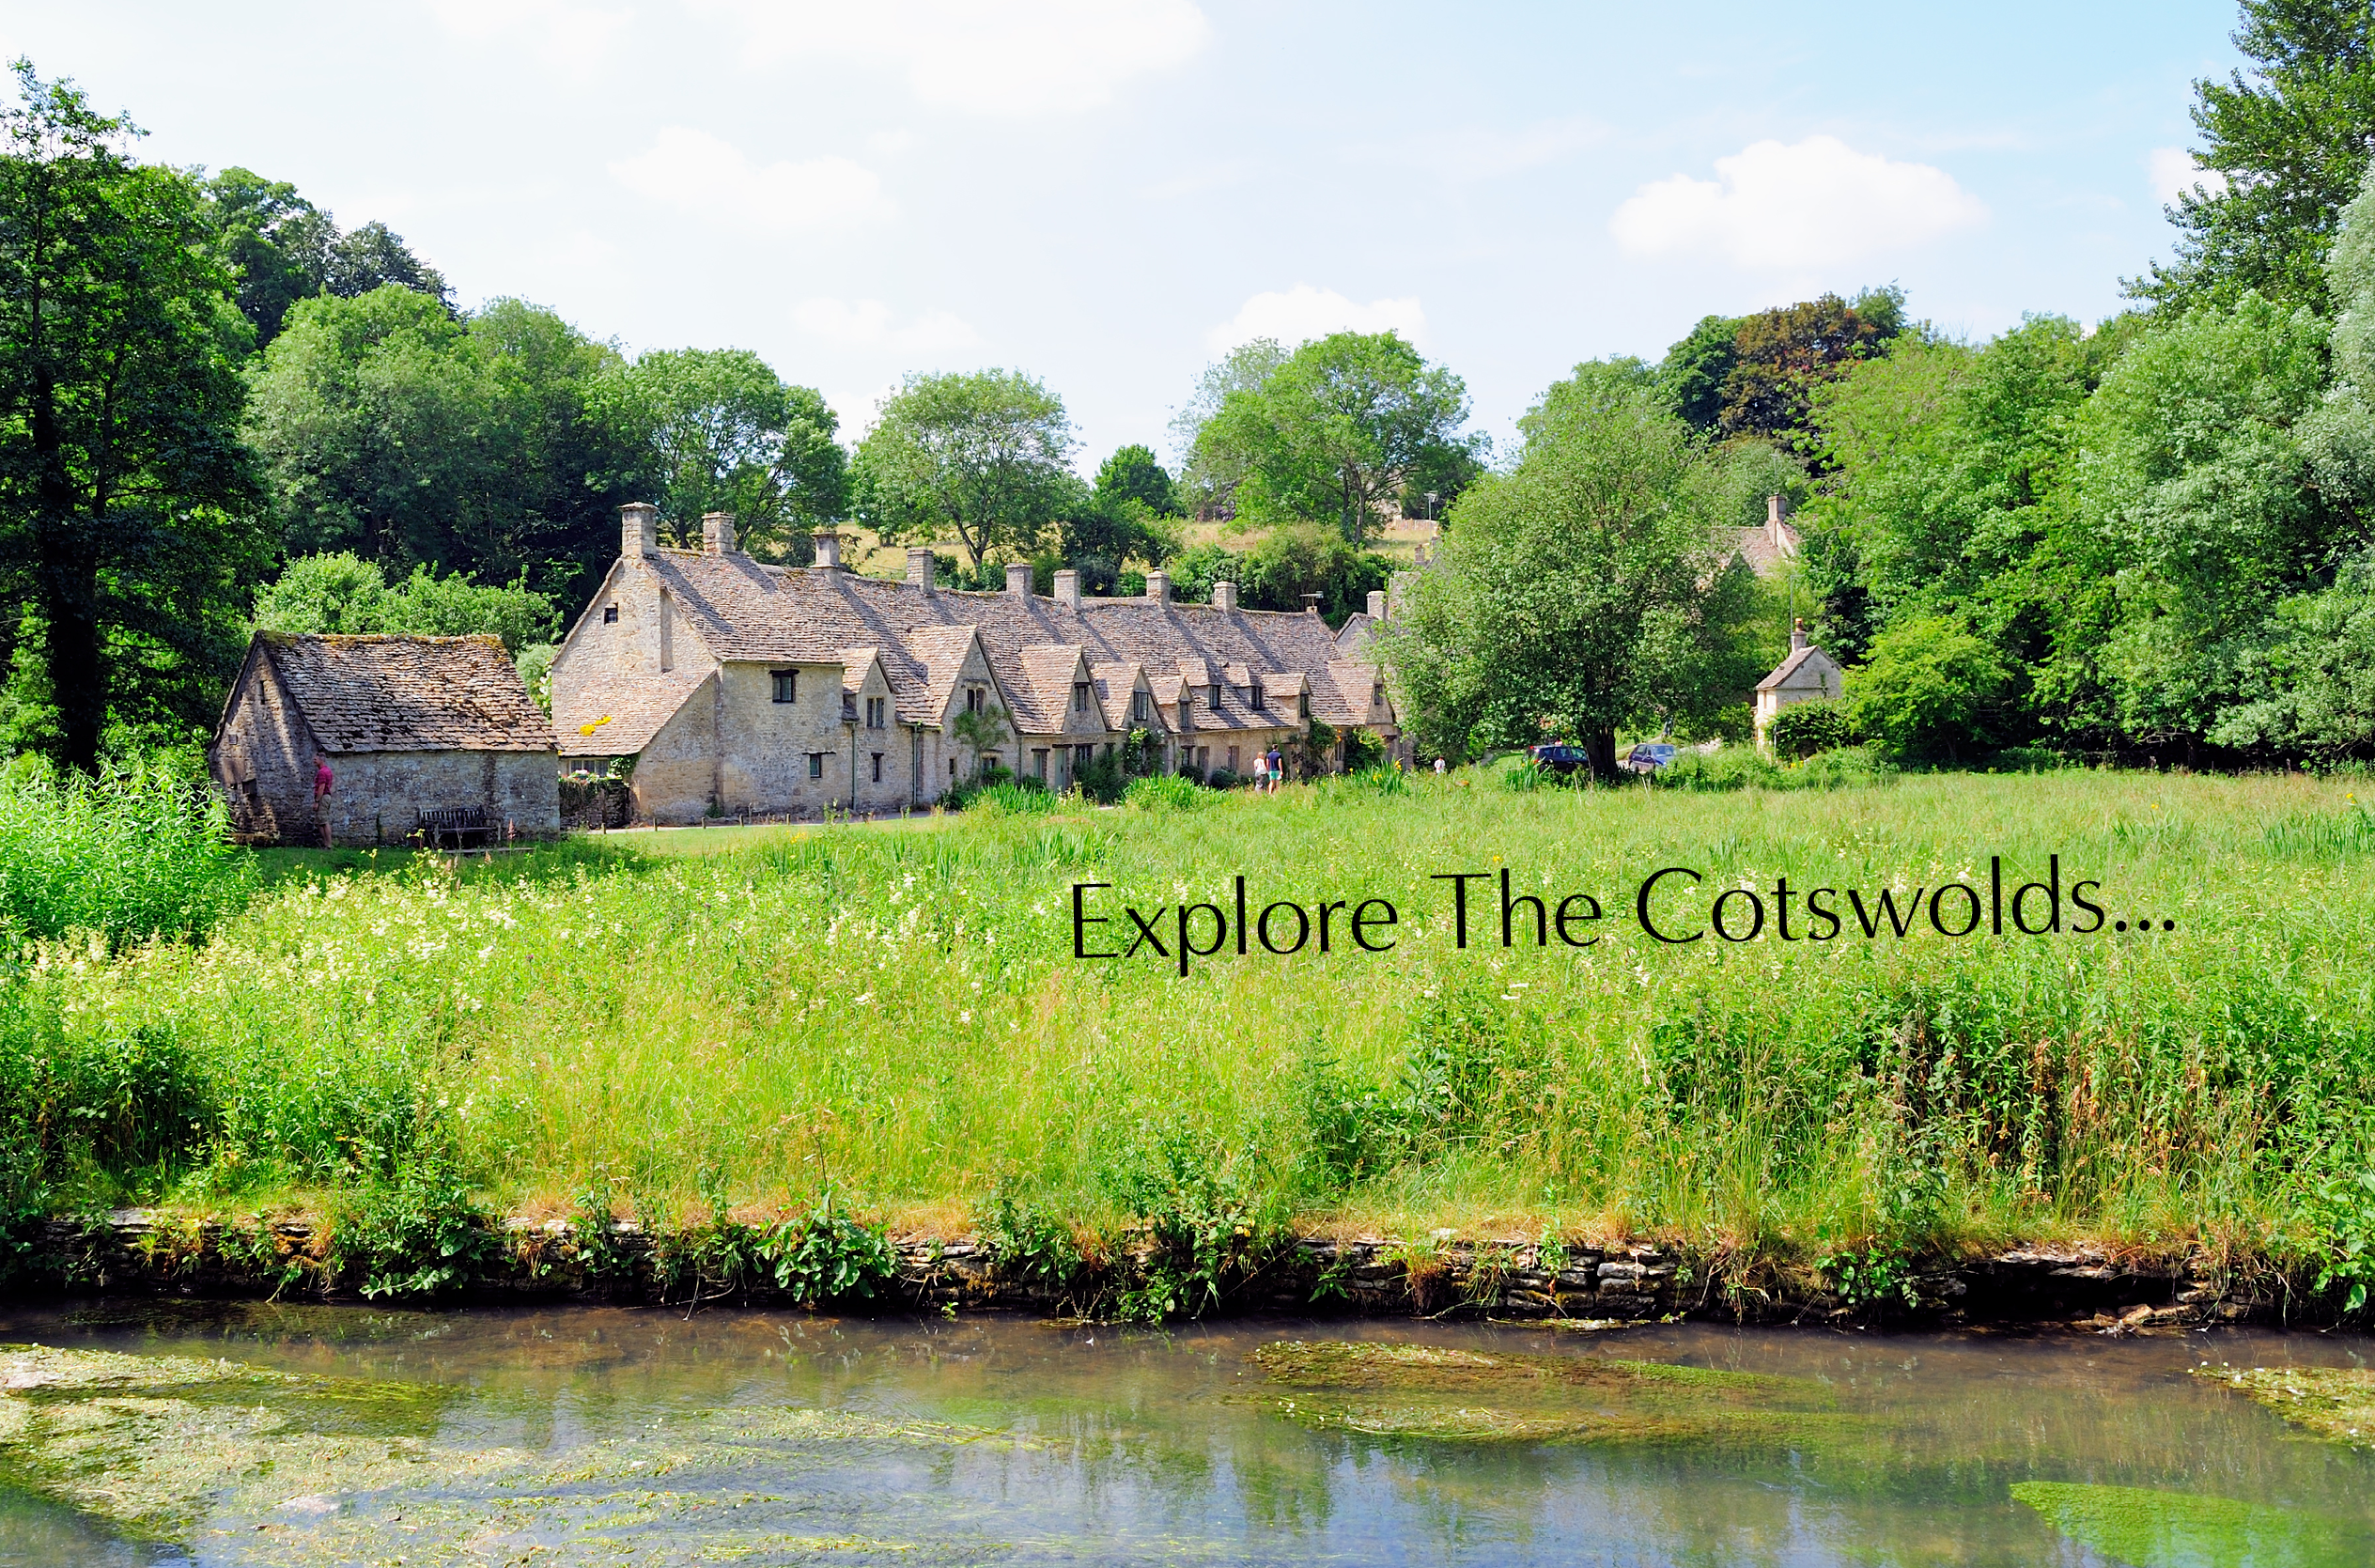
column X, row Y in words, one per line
column 457, row 826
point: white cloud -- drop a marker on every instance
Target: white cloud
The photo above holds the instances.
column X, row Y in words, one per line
column 1814, row 203
column 867, row 323
column 695, row 171
column 1303, row 313
column 573, row 37
column 1016, row 58
column 2172, row 172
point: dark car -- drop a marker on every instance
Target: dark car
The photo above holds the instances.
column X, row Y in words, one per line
column 1559, row 759
column 1649, row 756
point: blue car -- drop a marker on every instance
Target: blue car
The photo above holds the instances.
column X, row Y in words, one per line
column 1649, row 756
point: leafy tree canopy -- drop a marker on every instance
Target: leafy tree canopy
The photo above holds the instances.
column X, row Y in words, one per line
column 1781, row 356
column 2289, row 143
column 341, row 592
column 722, row 432
column 125, row 494
column 1340, row 433
column 1584, row 590
column 1132, row 473
column 980, row 456
column 280, row 248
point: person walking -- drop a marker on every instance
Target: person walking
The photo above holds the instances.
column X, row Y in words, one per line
column 323, row 779
column 1261, row 773
column 1278, row 770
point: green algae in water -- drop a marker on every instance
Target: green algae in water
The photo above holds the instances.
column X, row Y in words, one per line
column 2180, row 1530
column 2337, row 1403
column 308, row 1469
column 1466, row 1396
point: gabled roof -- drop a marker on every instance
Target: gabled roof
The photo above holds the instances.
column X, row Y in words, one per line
column 1115, row 684
column 619, row 718
column 1356, row 634
column 1801, row 660
column 395, row 693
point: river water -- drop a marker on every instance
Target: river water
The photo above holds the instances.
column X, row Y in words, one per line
column 995, row 1439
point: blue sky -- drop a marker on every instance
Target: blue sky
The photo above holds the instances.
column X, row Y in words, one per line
column 1107, row 195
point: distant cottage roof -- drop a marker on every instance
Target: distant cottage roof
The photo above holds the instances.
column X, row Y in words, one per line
column 389, row 693
column 744, row 612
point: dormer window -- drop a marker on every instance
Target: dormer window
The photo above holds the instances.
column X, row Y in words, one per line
column 1138, row 707
column 1259, row 698
column 973, row 695
column 875, row 707
column 1212, row 698
column 1080, row 696
column 787, row 683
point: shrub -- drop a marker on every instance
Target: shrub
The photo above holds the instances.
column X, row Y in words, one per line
column 829, row 1255
column 420, row 1232
column 1363, row 750
column 1224, row 778
column 1847, row 767
column 1102, row 780
column 1800, row 731
column 1002, row 797
column 1173, row 793
column 1732, row 768
column 142, row 850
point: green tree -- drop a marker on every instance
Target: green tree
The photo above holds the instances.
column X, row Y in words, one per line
column 1930, row 691
column 1132, row 473
column 978, row 454
column 1781, row 356
column 2290, row 143
column 724, row 433
column 1210, row 474
column 280, row 248
column 2193, row 517
column 1304, row 558
column 125, row 494
column 1585, row 590
column 1694, row 370
column 343, row 593
column 1340, row 433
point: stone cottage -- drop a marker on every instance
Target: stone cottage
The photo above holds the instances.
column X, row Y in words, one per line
column 1808, row 675
column 420, row 732
column 729, row 686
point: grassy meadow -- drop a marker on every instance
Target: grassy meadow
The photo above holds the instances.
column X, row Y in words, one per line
column 666, row 1023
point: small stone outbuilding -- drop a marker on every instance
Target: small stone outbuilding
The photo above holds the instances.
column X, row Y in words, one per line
column 423, row 734
column 1808, row 675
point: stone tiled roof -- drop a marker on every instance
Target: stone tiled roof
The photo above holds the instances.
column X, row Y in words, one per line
column 619, row 718
column 1758, row 548
column 389, row 693
column 1786, row 673
column 742, row 610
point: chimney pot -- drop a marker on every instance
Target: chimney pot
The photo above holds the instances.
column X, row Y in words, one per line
column 638, row 528
column 828, row 550
column 1797, row 636
column 1158, row 586
column 717, row 533
column 1068, row 588
column 1224, row 598
column 1311, row 604
column 921, row 570
column 1376, row 604
column 1019, row 579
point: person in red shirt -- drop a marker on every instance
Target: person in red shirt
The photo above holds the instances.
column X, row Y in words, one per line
column 323, row 778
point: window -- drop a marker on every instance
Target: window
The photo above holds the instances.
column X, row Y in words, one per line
column 1138, row 707
column 1039, row 765
column 816, row 765
column 610, row 615
column 973, row 699
column 1212, row 698
column 877, row 768
column 786, row 685
column 875, row 706
column 1302, row 704
column 1080, row 696
column 1233, row 759
column 952, row 767
column 1260, row 698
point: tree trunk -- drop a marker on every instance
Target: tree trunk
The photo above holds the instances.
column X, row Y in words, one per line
column 65, row 587
column 1599, row 750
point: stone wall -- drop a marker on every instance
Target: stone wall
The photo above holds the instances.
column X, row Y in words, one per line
column 379, row 796
column 263, row 760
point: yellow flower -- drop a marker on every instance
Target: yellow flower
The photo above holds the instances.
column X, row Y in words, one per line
column 589, row 729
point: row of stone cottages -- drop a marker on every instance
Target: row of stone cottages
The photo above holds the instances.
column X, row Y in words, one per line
column 735, row 687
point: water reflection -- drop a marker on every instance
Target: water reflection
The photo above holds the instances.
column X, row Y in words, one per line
column 1111, row 1446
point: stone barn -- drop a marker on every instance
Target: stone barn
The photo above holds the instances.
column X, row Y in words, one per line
column 428, row 736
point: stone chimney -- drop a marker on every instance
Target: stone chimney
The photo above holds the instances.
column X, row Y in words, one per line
column 717, row 533
column 1376, row 604
column 1158, row 587
column 1019, row 579
column 1311, row 604
column 1068, row 588
column 1224, row 598
column 638, row 528
column 921, row 570
column 1797, row 636
column 1773, row 526
column 828, row 550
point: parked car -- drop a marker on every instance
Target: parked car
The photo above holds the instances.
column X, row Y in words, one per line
column 1558, row 759
column 1649, row 756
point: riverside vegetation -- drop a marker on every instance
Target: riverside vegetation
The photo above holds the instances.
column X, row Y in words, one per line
column 766, row 1056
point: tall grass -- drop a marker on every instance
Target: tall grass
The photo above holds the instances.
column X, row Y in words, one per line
column 899, row 1016
column 139, row 852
